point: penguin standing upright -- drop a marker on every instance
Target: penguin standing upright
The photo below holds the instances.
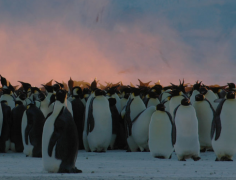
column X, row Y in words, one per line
column 134, row 107
column 60, row 139
column 78, row 110
column 223, row 129
column 160, row 133
column 185, row 139
column 205, row 114
column 151, row 99
column 175, row 100
column 99, row 123
column 32, row 128
column 8, row 96
column 16, row 120
column 88, row 97
column 5, row 120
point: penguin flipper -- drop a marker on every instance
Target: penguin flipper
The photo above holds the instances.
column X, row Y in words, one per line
column 90, row 120
column 173, row 131
column 216, row 124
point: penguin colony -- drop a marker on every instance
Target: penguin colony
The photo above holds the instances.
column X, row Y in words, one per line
column 52, row 123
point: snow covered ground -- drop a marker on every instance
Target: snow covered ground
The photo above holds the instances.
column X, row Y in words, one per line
column 118, row 164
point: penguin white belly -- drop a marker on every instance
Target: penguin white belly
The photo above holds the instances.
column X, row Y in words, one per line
column 205, row 116
column 174, row 102
column 1, row 119
column 13, row 146
column 9, row 99
column 84, row 102
column 50, row 164
column 85, row 140
column 187, row 143
column 99, row 139
column 210, row 95
column 226, row 144
column 153, row 102
column 44, row 107
column 160, row 140
column 23, row 127
column 192, row 98
column 140, row 128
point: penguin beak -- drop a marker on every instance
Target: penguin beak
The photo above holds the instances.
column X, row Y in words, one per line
column 55, row 136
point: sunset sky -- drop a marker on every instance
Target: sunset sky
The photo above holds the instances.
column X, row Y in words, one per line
column 118, row 40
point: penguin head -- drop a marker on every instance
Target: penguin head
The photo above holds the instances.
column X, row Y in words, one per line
column 76, row 91
column 135, row 91
column 22, row 96
column 230, row 95
column 17, row 103
column 6, row 91
column 160, row 107
column 197, row 86
column 26, row 87
column 49, row 89
column 203, row 90
column 157, row 88
column 112, row 90
column 199, row 97
column 153, row 95
column 41, row 96
column 231, row 86
column 112, row 102
column 100, row 92
column 185, row 102
column 3, row 81
column 56, row 87
column 61, row 95
column 175, row 92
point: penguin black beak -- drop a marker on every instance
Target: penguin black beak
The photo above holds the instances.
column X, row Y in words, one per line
column 55, row 136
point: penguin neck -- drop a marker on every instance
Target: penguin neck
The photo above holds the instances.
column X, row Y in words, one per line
column 57, row 107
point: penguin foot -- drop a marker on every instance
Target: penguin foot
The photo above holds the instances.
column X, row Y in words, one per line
column 182, row 159
column 26, row 156
column 203, row 150
column 128, row 150
column 160, row 157
column 224, row 158
column 196, row 158
column 70, row 170
column 170, row 156
column 217, row 159
column 210, row 150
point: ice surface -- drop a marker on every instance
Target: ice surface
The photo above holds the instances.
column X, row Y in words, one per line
column 118, row 164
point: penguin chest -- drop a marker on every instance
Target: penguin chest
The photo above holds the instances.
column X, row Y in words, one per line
column 174, row 102
column 9, row 99
column 153, row 102
column 160, row 129
column 186, row 130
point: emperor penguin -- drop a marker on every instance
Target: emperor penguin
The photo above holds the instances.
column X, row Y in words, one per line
column 160, row 133
column 223, row 129
column 60, row 139
column 5, row 122
column 196, row 88
column 78, row 113
column 205, row 114
column 32, row 128
column 134, row 107
column 27, row 91
column 99, row 123
column 16, row 120
column 185, row 139
column 88, row 97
